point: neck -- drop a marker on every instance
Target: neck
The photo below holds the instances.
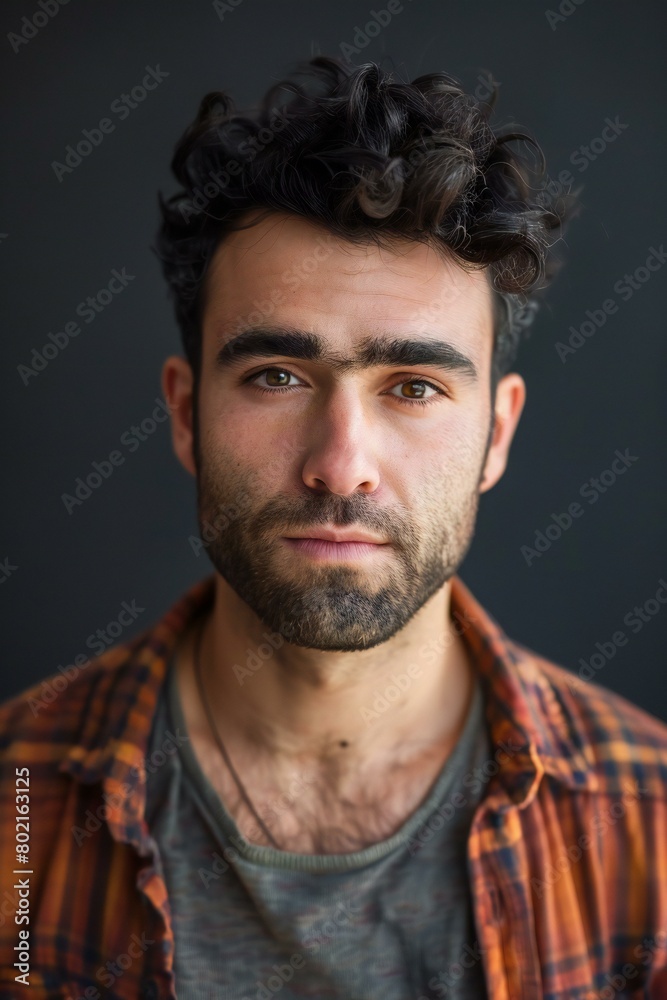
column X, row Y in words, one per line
column 306, row 709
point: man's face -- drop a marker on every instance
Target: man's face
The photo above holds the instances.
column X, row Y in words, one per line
column 287, row 443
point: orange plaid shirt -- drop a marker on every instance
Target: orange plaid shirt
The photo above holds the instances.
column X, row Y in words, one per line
column 567, row 852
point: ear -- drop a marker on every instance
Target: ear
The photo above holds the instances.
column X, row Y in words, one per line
column 510, row 398
column 177, row 388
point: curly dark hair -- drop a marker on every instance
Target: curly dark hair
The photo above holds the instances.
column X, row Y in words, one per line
column 370, row 159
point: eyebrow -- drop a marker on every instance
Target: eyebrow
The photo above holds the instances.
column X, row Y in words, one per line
column 265, row 342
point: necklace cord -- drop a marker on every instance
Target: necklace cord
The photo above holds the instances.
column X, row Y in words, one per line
column 218, row 740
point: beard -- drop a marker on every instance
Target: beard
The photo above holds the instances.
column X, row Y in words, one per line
column 333, row 606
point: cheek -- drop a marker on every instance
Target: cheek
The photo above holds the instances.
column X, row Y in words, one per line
column 464, row 447
column 272, row 445
column 223, row 421
column 249, row 444
column 451, row 447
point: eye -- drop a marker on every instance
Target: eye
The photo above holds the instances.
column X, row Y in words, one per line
column 277, row 380
column 421, row 386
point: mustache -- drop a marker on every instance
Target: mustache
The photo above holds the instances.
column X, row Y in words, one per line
column 300, row 511
column 337, row 512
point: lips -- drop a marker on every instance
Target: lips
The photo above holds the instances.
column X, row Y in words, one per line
column 341, row 535
column 336, row 551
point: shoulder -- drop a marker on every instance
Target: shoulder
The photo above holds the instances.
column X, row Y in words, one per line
column 42, row 722
column 85, row 710
column 621, row 742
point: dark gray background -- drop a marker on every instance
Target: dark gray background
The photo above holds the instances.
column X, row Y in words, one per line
column 129, row 540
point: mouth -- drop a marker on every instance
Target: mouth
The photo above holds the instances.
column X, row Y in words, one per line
column 324, row 549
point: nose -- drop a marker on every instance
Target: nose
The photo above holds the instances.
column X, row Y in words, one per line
column 341, row 457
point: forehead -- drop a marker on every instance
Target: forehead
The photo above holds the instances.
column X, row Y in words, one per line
column 286, row 270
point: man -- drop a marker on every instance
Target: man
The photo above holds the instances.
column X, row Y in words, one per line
column 326, row 771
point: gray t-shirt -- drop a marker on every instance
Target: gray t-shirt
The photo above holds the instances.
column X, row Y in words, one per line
column 393, row 921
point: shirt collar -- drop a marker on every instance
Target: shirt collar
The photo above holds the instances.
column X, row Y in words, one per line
column 526, row 719
column 527, row 715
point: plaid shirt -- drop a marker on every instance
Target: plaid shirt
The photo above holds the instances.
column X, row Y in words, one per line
column 567, row 852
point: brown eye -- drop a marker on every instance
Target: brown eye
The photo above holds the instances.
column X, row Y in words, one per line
column 417, row 389
column 421, row 389
column 276, row 376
